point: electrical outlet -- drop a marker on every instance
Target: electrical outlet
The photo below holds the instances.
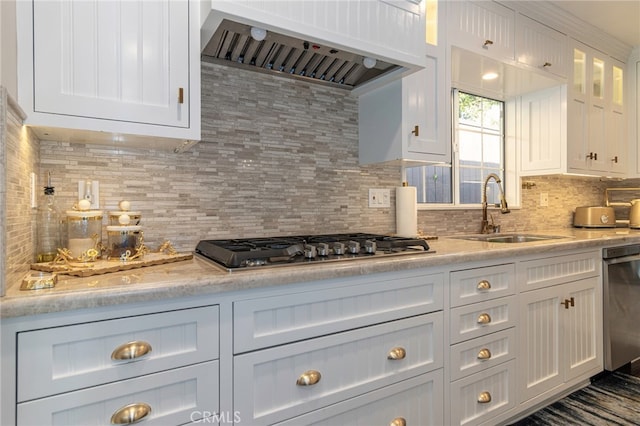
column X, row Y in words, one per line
column 89, row 190
column 544, row 199
column 379, row 198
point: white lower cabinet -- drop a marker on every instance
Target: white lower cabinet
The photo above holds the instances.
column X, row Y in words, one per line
column 275, row 384
column 161, row 368
column 416, row 401
column 172, row 397
column 483, row 318
column 481, row 396
column 560, row 336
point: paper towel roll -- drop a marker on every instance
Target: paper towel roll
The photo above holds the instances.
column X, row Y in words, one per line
column 406, row 211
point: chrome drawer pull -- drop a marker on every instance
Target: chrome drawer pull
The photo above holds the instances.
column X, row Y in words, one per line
column 131, row 414
column 308, row 378
column 484, row 285
column 397, row 353
column 398, row 421
column 484, row 354
column 484, row 397
column 131, row 350
column 484, row 319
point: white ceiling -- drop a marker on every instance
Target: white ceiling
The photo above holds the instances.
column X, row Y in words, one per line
column 620, row 18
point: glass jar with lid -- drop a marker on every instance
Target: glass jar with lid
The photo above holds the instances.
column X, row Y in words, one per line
column 84, row 234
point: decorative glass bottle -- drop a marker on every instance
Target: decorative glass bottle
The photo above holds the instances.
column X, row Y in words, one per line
column 48, row 225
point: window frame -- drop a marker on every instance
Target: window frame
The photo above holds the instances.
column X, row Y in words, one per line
column 510, row 178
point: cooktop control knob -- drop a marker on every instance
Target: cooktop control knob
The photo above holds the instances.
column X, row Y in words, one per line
column 323, row 249
column 370, row 247
column 310, row 251
column 354, row 247
column 338, row 249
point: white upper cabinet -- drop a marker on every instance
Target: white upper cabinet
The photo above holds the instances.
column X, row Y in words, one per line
column 543, row 134
column 581, row 127
column 483, row 27
column 596, row 131
column 540, row 46
column 127, row 67
column 405, row 120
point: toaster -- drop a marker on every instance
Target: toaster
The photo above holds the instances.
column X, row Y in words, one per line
column 594, row 217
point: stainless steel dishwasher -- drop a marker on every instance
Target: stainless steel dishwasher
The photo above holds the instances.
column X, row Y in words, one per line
column 621, row 305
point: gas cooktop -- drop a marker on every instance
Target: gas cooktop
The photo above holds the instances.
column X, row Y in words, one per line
column 235, row 254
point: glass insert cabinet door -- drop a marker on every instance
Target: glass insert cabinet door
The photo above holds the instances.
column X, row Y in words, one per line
column 598, row 76
column 579, row 71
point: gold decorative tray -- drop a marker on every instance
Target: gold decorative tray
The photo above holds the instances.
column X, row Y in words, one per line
column 99, row 267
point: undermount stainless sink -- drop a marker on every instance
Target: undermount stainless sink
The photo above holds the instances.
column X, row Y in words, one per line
column 510, row 238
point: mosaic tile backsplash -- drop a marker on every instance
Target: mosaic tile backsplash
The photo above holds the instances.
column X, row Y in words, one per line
column 277, row 157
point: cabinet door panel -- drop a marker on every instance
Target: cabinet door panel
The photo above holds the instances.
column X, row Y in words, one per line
column 482, row 318
column 269, row 321
column 349, row 363
column 583, row 331
column 541, row 337
column 419, row 401
column 485, row 27
column 175, row 397
column 541, row 47
column 113, row 60
column 468, row 406
column 466, row 285
column 61, row 359
column 543, row 131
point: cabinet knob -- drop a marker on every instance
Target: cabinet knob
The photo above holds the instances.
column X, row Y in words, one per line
column 487, row 43
column 397, row 353
column 484, row 319
column 398, row 421
column 546, row 65
column 615, row 159
column 484, row 353
column 131, row 350
column 308, row 378
column 484, row 397
column 416, row 130
column 484, row 285
column 130, row 414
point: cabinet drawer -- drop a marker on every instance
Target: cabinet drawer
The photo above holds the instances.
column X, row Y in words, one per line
column 496, row 384
column 62, row 359
column 480, row 284
column 479, row 354
column 271, row 321
column 538, row 273
column 175, row 397
column 349, row 363
column 418, row 401
column 470, row 321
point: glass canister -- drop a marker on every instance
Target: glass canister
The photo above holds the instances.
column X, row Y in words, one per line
column 124, row 242
column 84, row 234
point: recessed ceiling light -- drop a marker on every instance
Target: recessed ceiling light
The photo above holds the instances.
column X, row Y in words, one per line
column 490, row 76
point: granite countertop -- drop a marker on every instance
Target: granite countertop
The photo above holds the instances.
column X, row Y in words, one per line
column 199, row 277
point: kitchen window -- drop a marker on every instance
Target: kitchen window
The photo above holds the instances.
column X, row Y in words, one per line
column 478, row 150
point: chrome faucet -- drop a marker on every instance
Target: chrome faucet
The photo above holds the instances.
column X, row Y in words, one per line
column 486, row 227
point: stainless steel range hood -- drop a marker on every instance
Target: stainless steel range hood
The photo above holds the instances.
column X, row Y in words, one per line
column 283, row 55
